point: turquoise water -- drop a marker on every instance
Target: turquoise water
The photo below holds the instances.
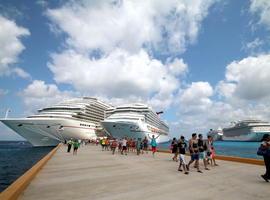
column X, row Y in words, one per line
column 239, row 149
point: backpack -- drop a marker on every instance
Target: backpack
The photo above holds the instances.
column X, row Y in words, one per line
column 263, row 151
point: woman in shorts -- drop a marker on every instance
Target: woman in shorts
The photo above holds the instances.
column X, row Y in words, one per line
column 76, row 145
column 113, row 145
column 154, row 144
column 194, row 152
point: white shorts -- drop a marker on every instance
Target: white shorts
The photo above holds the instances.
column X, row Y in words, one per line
column 182, row 158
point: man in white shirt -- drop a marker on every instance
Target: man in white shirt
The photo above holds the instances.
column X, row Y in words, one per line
column 124, row 146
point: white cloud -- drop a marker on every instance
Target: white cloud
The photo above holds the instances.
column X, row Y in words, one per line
column 218, row 114
column 244, row 94
column 177, row 66
column 198, row 110
column 11, row 47
column 225, row 89
column 253, row 46
column 196, row 97
column 118, row 75
column 38, row 94
column 251, row 77
column 3, row 92
column 105, row 25
column 110, row 47
column 262, row 9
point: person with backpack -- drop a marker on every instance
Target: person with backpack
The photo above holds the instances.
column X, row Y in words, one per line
column 265, row 148
column 202, row 148
column 194, row 152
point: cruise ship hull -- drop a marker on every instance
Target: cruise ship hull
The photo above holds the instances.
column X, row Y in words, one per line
column 50, row 132
column 131, row 130
column 248, row 137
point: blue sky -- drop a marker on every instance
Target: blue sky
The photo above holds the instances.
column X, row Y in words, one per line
column 205, row 63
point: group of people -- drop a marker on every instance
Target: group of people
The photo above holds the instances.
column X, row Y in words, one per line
column 126, row 145
column 75, row 143
column 199, row 149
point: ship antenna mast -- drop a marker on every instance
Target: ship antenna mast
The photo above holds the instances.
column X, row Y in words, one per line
column 7, row 111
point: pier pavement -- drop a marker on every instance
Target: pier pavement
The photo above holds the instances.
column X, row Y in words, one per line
column 95, row 174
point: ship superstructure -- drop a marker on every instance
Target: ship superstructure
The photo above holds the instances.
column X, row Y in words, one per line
column 246, row 130
column 77, row 118
column 216, row 134
column 135, row 121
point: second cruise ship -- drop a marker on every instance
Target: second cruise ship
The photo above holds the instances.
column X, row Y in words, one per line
column 135, row 121
column 246, row 130
column 77, row 118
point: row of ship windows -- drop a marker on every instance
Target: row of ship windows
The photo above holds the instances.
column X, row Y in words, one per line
column 87, row 125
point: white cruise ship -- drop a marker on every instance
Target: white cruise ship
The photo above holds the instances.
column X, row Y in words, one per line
column 77, row 118
column 135, row 121
column 216, row 134
column 246, row 130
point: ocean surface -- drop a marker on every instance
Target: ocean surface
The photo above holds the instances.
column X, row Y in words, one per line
column 16, row 158
column 239, row 149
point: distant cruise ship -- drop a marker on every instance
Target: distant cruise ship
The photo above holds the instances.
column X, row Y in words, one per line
column 215, row 134
column 77, row 118
column 135, row 121
column 246, row 130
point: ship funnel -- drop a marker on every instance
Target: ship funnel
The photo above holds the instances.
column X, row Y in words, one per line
column 158, row 113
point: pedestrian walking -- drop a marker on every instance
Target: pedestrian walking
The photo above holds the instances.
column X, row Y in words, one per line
column 194, row 152
column 174, row 146
column 265, row 152
column 113, row 145
column 202, row 148
column 103, row 143
column 120, row 145
column 138, row 145
column 69, row 143
column 210, row 152
column 154, row 144
column 124, row 146
column 145, row 144
column 133, row 144
column 107, row 144
column 182, row 151
column 76, row 145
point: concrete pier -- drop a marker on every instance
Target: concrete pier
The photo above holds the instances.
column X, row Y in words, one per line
column 95, row 174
